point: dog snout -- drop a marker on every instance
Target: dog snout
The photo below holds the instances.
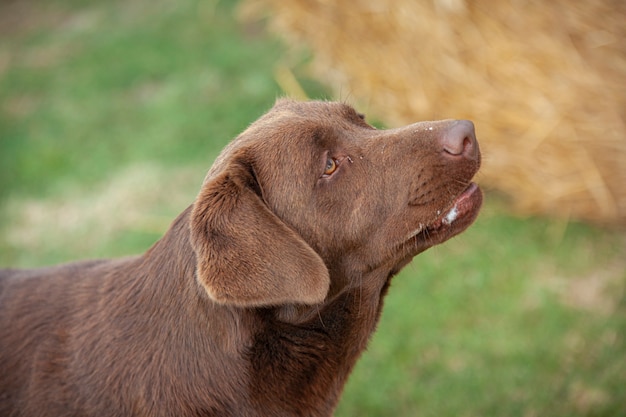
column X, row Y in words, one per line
column 459, row 140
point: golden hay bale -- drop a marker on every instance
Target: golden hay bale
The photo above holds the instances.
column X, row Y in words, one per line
column 545, row 83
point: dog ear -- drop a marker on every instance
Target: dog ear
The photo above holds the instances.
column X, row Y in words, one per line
column 246, row 256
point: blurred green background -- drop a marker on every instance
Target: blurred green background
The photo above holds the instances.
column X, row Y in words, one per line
column 112, row 112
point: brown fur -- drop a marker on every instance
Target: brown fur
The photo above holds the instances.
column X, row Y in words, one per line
column 262, row 295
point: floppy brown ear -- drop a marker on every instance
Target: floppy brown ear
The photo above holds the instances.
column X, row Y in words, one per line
column 246, row 255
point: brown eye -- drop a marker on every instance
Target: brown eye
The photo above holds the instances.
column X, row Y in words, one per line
column 331, row 166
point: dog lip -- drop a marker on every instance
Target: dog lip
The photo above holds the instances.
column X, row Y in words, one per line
column 462, row 212
column 466, row 204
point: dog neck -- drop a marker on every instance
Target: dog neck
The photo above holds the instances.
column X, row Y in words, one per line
column 314, row 350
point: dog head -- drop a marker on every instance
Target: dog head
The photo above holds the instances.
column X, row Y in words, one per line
column 311, row 191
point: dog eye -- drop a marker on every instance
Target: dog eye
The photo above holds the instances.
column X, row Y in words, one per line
column 331, row 166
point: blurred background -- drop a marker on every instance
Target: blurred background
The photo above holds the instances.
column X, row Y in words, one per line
column 111, row 112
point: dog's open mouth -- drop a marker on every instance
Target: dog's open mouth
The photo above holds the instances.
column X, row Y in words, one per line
column 463, row 211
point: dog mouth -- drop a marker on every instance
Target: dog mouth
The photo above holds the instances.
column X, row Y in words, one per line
column 465, row 206
column 457, row 217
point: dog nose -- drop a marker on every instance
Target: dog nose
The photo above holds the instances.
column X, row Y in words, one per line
column 460, row 139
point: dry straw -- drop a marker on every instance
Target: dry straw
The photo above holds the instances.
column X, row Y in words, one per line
column 545, row 83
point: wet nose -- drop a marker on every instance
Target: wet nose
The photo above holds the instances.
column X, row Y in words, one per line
column 459, row 139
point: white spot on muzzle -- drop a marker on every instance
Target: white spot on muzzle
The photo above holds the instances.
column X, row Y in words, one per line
column 451, row 216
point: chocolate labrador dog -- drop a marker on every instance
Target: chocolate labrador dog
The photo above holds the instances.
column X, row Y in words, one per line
column 263, row 293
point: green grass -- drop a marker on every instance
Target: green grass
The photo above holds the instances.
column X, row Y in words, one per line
column 110, row 115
